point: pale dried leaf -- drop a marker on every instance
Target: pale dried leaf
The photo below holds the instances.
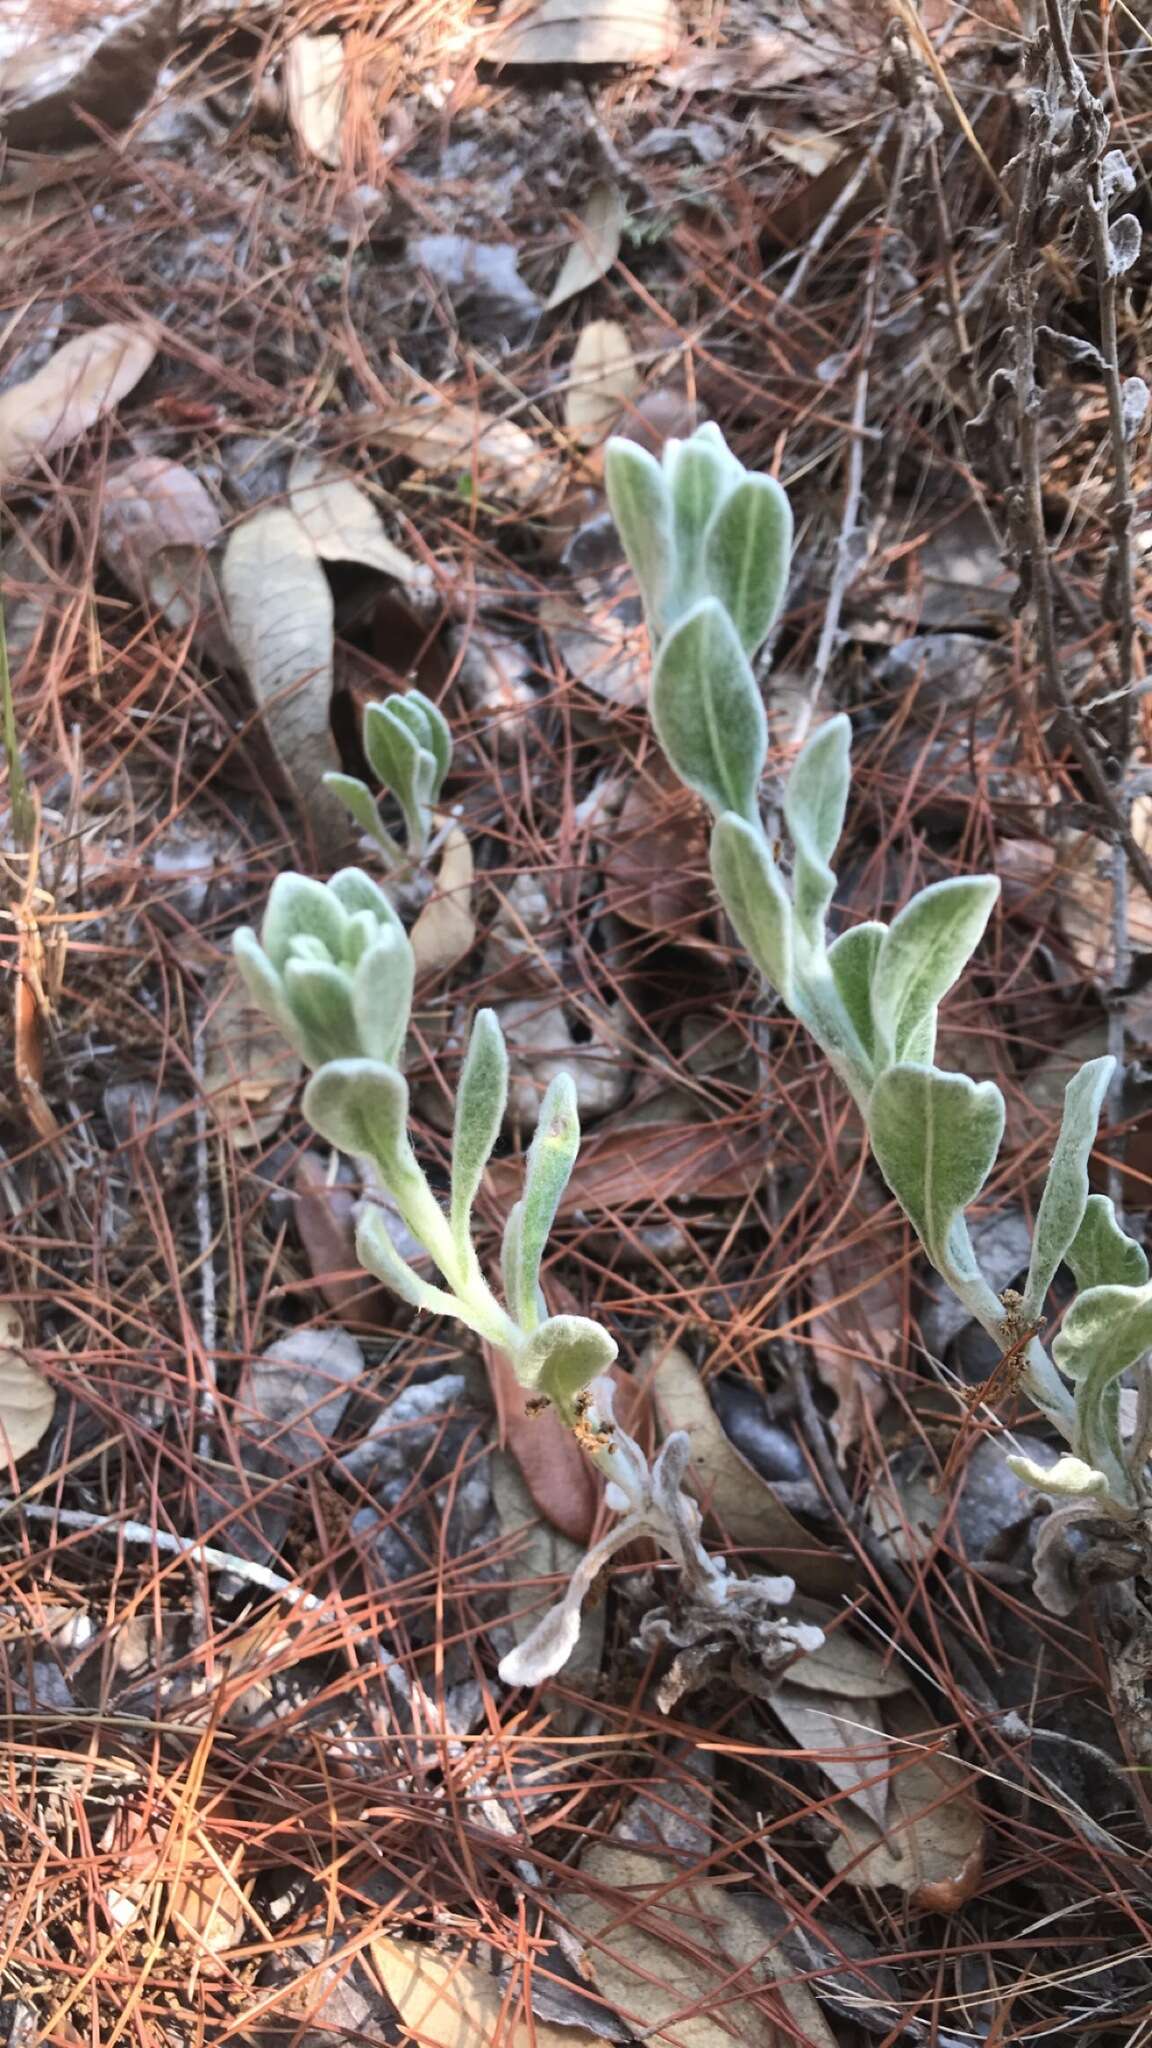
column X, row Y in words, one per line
column 542, row 1045
column 250, row 1071
column 499, row 455
column 343, row 524
column 295, row 1394
column 590, row 32
column 150, row 503
column 280, row 613
column 600, row 636
column 844, row 1739
column 207, row 1905
column 932, row 1842
column 76, row 387
column 1086, row 897
column 595, row 247
column 602, row 379
column 446, row 929
column 845, row 1665
column 27, row 1399
column 446, row 2002
column 314, row 89
column 674, row 1962
column 727, row 1487
column 809, row 149
column 67, row 74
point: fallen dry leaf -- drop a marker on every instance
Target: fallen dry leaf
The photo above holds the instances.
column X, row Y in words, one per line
column 446, row 2002
column 589, row 32
column 294, row 1395
column 595, row 247
column 1086, row 896
column 499, row 456
column 845, row 1665
column 932, row 1843
column 250, row 1072
column 602, row 379
column 600, row 636
column 76, row 387
column 326, row 1224
column 542, row 1044
column 207, row 1905
column 560, row 1477
column 62, row 72
column 656, row 859
column 343, row 524
column 858, row 1336
column 809, row 149
column 314, row 90
column 727, row 1487
column 27, row 1399
column 844, row 1739
column 157, row 525
column 446, row 929
column 280, row 614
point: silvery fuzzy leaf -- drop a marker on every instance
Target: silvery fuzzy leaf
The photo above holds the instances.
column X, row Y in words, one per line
column 547, row 1649
column 1134, row 402
column 551, row 1157
column 510, row 1257
column 382, row 996
column 852, row 961
column 815, row 800
column 707, row 711
column 1069, row 1476
column 563, row 1356
column 480, row 1101
column 749, row 886
column 1101, row 1253
column 361, row 1106
column 641, row 507
column 747, row 556
column 355, row 892
column 1065, row 1196
column 320, row 996
column 1117, row 178
column 360, row 805
column 403, row 764
column 266, row 989
column 297, row 904
column 377, row 1253
column 698, row 480
column 430, row 731
column 936, row 1137
column 926, row 948
column 1106, row 1326
column 1124, row 239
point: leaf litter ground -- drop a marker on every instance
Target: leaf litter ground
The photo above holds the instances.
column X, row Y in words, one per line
column 315, row 328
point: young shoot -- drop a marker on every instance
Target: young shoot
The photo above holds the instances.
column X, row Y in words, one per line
column 408, row 744
column 710, row 548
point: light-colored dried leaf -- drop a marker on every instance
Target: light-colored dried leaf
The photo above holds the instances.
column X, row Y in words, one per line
column 809, row 149
column 295, row 1394
column 600, row 636
column 674, row 1962
column 728, row 1488
column 250, row 1072
column 150, row 503
column 343, row 524
column 602, row 379
column 446, row 929
column 280, row 613
column 207, row 1905
column 845, row 1665
column 76, row 387
column 1086, row 895
column 27, row 1399
column 567, row 32
column 844, row 1739
column 314, row 90
column 447, row 2002
column 498, row 454
column 542, row 1045
column 858, row 1333
column 595, row 247
column 932, row 1842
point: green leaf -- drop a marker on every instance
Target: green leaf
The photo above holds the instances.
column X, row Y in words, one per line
column 320, row 997
column 551, row 1157
column 1105, row 1331
column 815, row 800
column 852, row 963
column 480, row 1101
column 1069, row 1477
column 709, row 435
column 355, row 891
column 404, row 765
column 563, row 1356
column 412, row 710
column 749, row 886
column 360, row 805
column 361, row 1106
column 707, row 711
column 266, row 988
column 927, row 947
column 1101, row 1253
column 936, row 1137
column 639, row 503
column 297, row 905
column 698, row 479
column 377, row 1252
column 1065, row 1196
column 510, row 1255
column 439, row 734
column 747, row 556
column 382, row 996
